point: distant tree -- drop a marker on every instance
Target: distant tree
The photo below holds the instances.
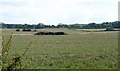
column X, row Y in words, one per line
column 60, row 25
column 40, row 25
column 93, row 25
column 19, row 26
column 25, row 26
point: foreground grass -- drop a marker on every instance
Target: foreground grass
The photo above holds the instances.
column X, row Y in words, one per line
column 75, row 51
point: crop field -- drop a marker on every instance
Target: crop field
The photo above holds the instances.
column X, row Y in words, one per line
column 76, row 50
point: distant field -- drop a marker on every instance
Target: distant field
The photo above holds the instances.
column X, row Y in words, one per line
column 92, row 30
column 77, row 50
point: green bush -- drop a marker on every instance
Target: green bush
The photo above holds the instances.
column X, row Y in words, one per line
column 26, row 30
column 50, row 33
column 11, row 61
column 17, row 30
column 35, row 30
column 109, row 29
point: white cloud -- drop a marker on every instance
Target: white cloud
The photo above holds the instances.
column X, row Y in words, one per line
column 58, row 11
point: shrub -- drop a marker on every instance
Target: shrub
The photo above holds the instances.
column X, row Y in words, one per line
column 23, row 30
column 109, row 29
column 8, row 61
column 26, row 30
column 59, row 33
column 17, row 30
column 50, row 33
column 35, row 30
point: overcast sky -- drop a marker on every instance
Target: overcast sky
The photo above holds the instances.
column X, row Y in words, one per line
column 58, row 11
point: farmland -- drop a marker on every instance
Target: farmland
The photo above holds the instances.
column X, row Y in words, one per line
column 76, row 50
column 93, row 30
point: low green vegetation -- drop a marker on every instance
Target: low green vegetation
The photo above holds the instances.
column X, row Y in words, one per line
column 17, row 30
column 109, row 29
column 13, row 61
column 28, row 30
column 77, row 50
column 50, row 33
column 98, row 30
column 91, row 30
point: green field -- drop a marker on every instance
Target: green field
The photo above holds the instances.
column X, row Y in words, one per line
column 77, row 50
column 93, row 30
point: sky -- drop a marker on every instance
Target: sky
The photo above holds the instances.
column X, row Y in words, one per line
column 53, row 12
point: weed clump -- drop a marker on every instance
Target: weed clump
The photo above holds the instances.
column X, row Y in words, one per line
column 14, row 61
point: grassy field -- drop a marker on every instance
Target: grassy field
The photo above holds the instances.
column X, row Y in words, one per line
column 77, row 50
column 93, row 30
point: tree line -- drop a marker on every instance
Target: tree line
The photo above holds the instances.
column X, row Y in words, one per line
column 93, row 25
